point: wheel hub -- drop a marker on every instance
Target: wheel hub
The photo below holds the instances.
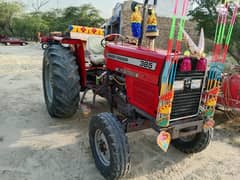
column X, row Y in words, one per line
column 102, row 147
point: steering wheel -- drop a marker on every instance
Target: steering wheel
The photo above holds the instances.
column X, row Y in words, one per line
column 112, row 37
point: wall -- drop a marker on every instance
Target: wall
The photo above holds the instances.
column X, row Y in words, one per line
column 164, row 24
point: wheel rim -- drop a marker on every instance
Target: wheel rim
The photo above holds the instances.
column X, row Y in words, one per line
column 48, row 81
column 45, row 46
column 102, row 147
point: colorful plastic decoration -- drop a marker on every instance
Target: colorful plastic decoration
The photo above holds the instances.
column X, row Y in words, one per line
column 136, row 21
column 167, row 97
column 211, row 102
column 165, row 109
column 214, row 91
column 220, row 50
column 152, row 21
column 186, row 65
column 163, row 140
column 170, row 68
column 210, row 112
column 202, row 63
column 86, row 30
column 209, row 124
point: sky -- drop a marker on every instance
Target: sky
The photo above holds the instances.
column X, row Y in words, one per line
column 105, row 6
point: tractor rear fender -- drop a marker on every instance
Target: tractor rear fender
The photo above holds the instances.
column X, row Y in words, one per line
column 80, row 56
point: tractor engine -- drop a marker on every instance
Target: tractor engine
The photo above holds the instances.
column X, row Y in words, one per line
column 136, row 77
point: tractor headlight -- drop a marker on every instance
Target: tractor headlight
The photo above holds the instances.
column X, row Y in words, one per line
column 196, row 84
column 178, row 85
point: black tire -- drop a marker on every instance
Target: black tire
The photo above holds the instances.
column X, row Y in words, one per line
column 23, row 44
column 44, row 46
column 118, row 164
column 195, row 144
column 61, row 82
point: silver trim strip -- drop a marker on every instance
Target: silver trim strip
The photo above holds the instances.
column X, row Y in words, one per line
column 133, row 61
column 184, row 117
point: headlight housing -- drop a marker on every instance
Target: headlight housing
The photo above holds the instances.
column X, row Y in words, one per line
column 178, row 85
column 196, row 84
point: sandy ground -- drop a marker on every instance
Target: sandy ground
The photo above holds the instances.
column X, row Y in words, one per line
column 35, row 147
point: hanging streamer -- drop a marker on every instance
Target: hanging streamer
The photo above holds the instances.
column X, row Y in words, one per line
column 169, row 73
column 219, row 56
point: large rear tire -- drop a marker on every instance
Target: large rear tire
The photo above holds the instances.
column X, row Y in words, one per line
column 61, row 81
column 109, row 146
column 195, row 143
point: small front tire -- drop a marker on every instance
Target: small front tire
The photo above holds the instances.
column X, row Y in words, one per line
column 195, row 143
column 109, row 146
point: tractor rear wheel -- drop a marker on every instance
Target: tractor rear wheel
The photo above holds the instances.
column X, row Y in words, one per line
column 109, row 146
column 60, row 81
column 195, row 143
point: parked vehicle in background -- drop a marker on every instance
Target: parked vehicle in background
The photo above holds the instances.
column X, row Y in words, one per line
column 2, row 36
column 47, row 40
column 12, row 41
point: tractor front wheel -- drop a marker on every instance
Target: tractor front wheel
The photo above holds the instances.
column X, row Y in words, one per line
column 60, row 81
column 109, row 146
column 194, row 143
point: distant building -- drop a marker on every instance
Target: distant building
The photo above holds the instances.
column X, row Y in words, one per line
column 113, row 24
column 120, row 20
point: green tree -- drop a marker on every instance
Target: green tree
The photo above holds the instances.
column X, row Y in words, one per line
column 14, row 22
column 38, row 4
column 28, row 25
column 8, row 10
column 53, row 20
column 85, row 15
column 205, row 14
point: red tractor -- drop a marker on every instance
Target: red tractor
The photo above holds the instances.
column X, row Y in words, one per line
column 130, row 78
column 47, row 40
column 229, row 98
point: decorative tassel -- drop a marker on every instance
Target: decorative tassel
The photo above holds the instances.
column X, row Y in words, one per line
column 186, row 64
column 202, row 63
column 136, row 20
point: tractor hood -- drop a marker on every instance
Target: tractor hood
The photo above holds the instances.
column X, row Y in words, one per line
column 137, row 62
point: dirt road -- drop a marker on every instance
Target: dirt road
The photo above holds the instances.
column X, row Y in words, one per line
column 35, row 147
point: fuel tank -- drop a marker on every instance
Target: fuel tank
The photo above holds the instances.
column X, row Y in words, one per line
column 142, row 69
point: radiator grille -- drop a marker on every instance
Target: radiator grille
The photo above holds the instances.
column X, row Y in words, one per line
column 186, row 102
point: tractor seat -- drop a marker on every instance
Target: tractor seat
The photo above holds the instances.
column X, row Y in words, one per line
column 95, row 50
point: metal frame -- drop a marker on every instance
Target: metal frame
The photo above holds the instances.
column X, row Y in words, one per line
column 175, row 128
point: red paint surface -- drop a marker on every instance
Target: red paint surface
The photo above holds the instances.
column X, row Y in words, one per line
column 142, row 91
column 233, row 99
column 78, row 44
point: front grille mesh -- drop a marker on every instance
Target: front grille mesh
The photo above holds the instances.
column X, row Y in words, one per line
column 186, row 102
